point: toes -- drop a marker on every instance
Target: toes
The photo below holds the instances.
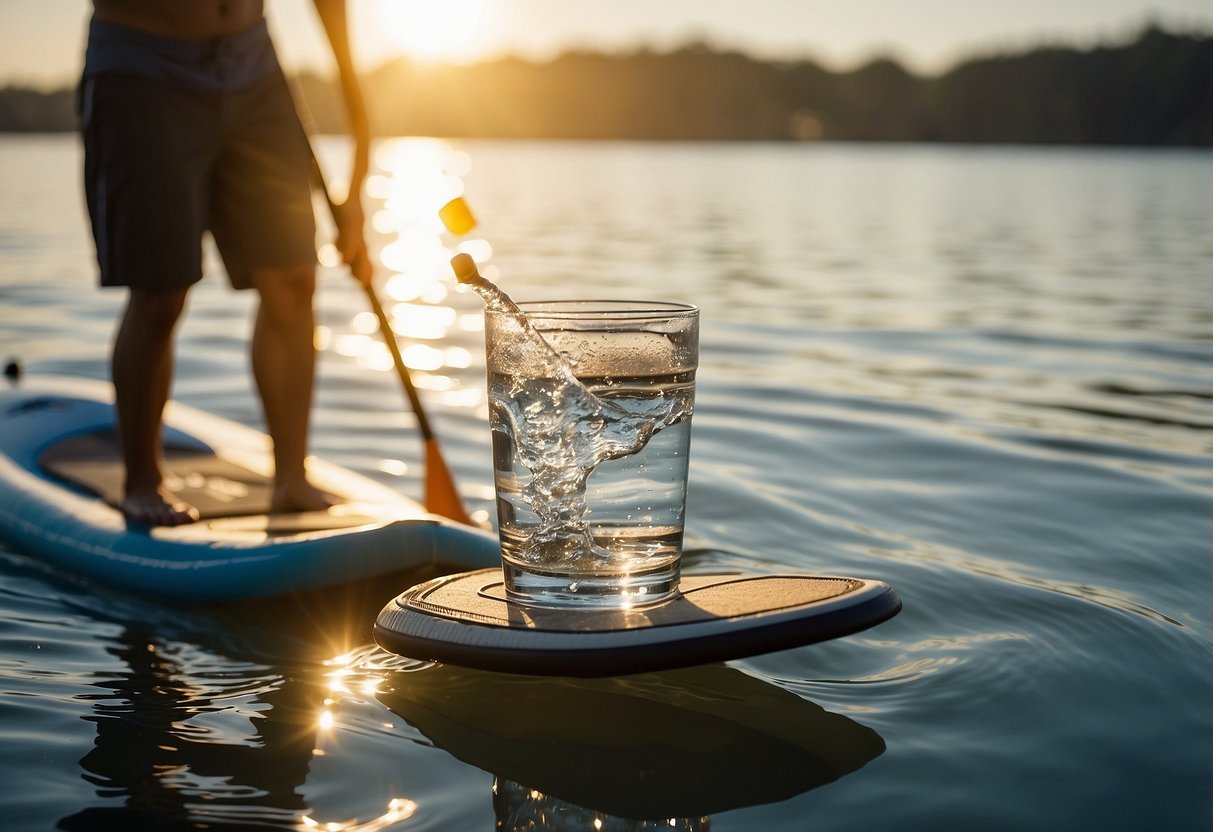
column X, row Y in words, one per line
column 158, row 510
column 304, row 497
column 180, row 513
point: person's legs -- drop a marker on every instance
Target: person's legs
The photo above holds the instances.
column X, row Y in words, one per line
column 147, row 150
column 284, row 364
column 142, row 371
column 262, row 222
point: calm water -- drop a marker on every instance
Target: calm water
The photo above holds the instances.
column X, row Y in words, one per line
column 981, row 375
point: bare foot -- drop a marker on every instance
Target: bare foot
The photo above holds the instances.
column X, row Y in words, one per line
column 301, row 496
column 158, row 507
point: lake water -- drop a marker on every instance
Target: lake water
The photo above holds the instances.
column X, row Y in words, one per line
column 982, row 375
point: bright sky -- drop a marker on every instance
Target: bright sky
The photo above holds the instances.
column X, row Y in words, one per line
column 41, row 40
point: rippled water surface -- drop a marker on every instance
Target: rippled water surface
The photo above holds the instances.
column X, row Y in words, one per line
column 982, row 375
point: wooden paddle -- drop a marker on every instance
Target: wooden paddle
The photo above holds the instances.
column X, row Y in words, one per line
column 441, row 496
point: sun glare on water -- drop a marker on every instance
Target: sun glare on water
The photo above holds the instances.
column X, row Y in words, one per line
column 411, row 180
column 427, row 30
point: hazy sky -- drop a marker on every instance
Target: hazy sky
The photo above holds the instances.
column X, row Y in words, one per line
column 41, row 40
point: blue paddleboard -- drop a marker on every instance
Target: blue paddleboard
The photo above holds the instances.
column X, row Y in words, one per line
column 60, row 477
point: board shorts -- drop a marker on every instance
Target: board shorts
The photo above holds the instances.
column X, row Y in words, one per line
column 182, row 138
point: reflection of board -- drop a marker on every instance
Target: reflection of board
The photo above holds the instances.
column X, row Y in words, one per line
column 466, row 620
column 60, row 476
column 680, row 743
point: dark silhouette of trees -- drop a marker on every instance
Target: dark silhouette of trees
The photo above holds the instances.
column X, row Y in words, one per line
column 24, row 110
column 1156, row 90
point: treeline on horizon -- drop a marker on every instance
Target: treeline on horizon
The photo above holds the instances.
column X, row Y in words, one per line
column 1155, row 90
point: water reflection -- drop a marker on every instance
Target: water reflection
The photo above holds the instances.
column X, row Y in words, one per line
column 398, row 809
column 413, row 179
column 519, row 808
column 651, row 751
column 165, row 743
column 216, row 718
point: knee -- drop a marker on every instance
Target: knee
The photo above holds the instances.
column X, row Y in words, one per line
column 286, row 291
column 155, row 312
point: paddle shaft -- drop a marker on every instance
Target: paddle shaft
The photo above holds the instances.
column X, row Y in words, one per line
column 441, row 495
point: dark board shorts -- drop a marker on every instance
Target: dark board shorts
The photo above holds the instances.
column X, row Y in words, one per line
column 165, row 163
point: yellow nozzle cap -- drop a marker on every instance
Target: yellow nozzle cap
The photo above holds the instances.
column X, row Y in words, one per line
column 457, row 216
column 465, row 267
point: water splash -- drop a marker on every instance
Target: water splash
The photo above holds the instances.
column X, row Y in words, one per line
column 562, row 430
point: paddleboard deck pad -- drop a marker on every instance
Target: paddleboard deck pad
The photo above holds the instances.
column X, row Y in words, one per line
column 61, row 475
column 467, row 620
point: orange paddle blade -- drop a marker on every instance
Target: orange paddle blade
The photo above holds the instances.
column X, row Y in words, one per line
column 440, row 494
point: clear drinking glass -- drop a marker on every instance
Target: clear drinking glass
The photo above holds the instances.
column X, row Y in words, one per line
column 591, row 451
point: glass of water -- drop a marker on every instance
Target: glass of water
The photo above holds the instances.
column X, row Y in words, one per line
column 590, row 447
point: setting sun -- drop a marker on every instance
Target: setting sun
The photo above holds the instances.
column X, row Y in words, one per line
column 431, row 31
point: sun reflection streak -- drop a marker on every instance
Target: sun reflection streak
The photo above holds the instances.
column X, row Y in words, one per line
column 421, row 357
column 329, row 256
column 365, row 323
column 467, row 397
column 358, row 674
column 368, row 351
column 378, row 358
column 416, row 251
column 337, row 680
column 322, row 338
column 412, row 179
column 398, row 809
column 435, row 382
column 434, row 293
column 395, row 467
column 421, row 176
column 428, row 322
column 403, row 287
column 471, row 323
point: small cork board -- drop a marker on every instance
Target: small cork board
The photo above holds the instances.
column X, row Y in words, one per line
column 467, row 620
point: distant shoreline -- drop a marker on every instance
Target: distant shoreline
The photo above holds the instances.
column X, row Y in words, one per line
column 1156, row 90
column 1203, row 150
